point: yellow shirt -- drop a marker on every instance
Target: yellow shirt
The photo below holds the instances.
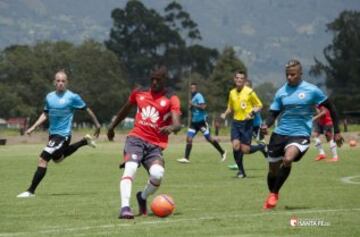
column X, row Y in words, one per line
column 242, row 103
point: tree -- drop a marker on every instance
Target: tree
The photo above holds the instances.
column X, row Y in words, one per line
column 221, row 80
column 342, row 59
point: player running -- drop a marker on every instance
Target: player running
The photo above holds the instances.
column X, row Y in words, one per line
column 60, row 106
column 158, row 115
column 292, row 107
column 323, row 124
column 199, row 123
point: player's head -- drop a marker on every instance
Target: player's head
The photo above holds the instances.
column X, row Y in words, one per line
column 60, row 81
column 158, row 79
column 293, row 71
column 240, row 79
column 193, row 87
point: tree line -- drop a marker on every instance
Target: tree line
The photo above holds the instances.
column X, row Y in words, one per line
column 142, row 39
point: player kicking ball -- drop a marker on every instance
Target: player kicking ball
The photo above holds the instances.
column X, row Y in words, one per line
column 59, row 109
column 158, row 115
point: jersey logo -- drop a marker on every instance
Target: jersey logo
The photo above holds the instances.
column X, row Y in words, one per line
column 163, row 103
column 62, row 101
column 142, row 98
column 301, row 95
column 243, row 105
column 151, row 113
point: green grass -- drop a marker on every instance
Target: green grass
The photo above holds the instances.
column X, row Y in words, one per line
column 80, row 196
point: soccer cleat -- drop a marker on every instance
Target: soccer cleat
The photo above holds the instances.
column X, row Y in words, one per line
column 142, row 204
column 335, row 159
column 271, row 201
column 126, row 213
column 223, row 156
column 240, row 175
column 320, row 157
column 25, row 194
column 183, row 160
column 90, row 141
column 233, row 167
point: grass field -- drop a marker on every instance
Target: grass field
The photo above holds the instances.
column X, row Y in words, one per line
column 80, row 196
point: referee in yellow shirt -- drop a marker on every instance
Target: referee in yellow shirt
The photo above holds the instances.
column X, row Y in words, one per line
column 243, row 103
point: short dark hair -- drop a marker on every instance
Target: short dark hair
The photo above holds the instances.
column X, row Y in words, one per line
column 159, row 73
column 193, row 84
column 241, row 71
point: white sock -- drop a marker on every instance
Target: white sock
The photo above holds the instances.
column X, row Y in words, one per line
column 126, row 183
column 319, row 146
column 156, row 173
column 333, row 148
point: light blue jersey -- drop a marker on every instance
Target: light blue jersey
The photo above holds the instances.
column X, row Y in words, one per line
column 60, row 108
column 198, row 115
column 257, row 119
column 296, row 105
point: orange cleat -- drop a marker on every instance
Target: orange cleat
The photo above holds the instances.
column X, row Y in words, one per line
column 320, row 157
column 271, row 201
column 335, row 159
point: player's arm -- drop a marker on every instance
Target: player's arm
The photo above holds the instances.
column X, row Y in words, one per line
column 337, row 136
column 175, row 126
column 226, row 113
column 256, row 103
column 95, row 121
column 42, row 118
column 319, row 113
column 121, row 115
column 198, row 106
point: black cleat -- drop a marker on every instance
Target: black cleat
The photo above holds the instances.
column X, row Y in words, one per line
column 142, row 204
column 126, row 213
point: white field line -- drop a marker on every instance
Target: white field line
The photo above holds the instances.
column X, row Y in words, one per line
column 349, row 179
column 131, row 224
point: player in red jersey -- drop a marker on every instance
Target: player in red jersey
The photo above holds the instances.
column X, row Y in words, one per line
column 158, row 115
column 323, row 124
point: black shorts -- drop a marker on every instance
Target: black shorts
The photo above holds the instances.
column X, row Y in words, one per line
column 279, row 143
column 195, row 127
column 55, row 147
column 142, row 152
column 242, row 131
column 327, row 130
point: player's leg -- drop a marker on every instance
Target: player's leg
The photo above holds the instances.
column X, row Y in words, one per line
column 189, row 138
column 206, row 132
column 317, row 142
column 236, row 145
column 330, row 138
column 86, row 140
column 132, row 156
column 247, row 134
column 154, row 163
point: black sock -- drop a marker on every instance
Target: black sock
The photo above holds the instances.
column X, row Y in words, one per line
column 280, row 178
column 255, row 148
column 271, row 181
column 238, row 157
column 73, row 147
column 188, row 150
column 217, row 146
column 38, row 176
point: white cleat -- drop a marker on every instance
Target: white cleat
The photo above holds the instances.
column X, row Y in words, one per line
column 90, row 141
column 25, row 194
column 183, row 160
column 223, row 157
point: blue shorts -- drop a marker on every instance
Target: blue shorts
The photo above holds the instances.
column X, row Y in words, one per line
column 242, row 131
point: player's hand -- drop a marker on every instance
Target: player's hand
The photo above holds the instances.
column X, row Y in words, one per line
column 97, row 131
column 110, row 134
column 166, row 130
column 223, row 116
column 264, row 129
column 29, row 131
column 338, row 139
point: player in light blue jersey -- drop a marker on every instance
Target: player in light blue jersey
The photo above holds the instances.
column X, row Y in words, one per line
column 199, row 123
column 293, row 106
column 59, row 109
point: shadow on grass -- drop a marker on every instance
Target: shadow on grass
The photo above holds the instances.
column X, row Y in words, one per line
column 290, row 208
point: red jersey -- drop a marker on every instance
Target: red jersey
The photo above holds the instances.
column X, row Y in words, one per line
column 326, row 119
column 153, row 112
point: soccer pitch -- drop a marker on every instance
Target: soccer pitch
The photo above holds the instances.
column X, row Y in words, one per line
column 80, row 197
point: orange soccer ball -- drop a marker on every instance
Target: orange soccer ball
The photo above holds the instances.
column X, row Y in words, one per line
column 352, row 143
column 162, row 205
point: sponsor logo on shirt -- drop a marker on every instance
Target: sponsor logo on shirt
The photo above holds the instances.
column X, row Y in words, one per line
column 151, row 113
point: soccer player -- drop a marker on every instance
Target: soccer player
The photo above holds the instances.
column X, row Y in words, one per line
column 293, row 107
column 158, row 115
column 323, row 124
column 199, row 123
column 244, row 104
column 59, row 109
